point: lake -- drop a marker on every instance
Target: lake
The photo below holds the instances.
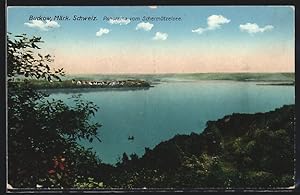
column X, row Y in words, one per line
column 170, row 108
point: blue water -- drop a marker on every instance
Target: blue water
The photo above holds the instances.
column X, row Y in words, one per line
column 171, row 108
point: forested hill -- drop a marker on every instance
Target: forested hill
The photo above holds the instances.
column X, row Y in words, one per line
column 239, row 150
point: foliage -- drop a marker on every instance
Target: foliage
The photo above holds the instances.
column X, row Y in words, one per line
column 42, row 133
column 240, row 150
column 23, row 59
column 89, row 183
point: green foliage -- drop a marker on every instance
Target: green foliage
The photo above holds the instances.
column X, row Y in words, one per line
column 88, row 183
column 42, row 133
column 241, row 150
column 237, row 151
column 23, row 59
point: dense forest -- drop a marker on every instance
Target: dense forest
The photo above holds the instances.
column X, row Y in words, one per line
column 239, row 150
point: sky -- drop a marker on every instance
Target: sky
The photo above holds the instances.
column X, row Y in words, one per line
column 198, row 39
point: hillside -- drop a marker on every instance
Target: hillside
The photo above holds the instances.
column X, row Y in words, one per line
column 239, row 150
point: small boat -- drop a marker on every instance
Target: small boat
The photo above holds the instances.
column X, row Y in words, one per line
column 130, row 138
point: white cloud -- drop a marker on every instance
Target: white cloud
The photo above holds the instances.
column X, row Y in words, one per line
column 199, row 30
column 152, row 6
column 160, row 36
column 44, row 26
column 102, row 31
column 213, row 22
column 144, row 26
column 120, row 21
column 252, row 28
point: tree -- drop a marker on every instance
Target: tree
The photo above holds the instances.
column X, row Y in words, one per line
column 43, row 132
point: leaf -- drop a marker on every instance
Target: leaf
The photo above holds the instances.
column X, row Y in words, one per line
column 59, row 176
column 35, row 46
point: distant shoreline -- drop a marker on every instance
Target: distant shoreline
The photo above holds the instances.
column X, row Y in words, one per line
column 88, row 84
column 256, row 77
column 136, row 82
column 86, row 90
column 278, row 84
column 72, row 74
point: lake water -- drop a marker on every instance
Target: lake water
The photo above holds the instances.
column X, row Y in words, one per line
column 171, row 108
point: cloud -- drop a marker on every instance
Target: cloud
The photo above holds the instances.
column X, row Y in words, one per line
column 44, row 26
column 152, row 6
column 102, row 31
column 120, row 21
column 199, row 30
column 213, row 22
column 253, row 28
column 160, row 36
column 146, row 26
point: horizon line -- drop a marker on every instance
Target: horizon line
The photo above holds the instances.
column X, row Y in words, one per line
column 180, row 73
